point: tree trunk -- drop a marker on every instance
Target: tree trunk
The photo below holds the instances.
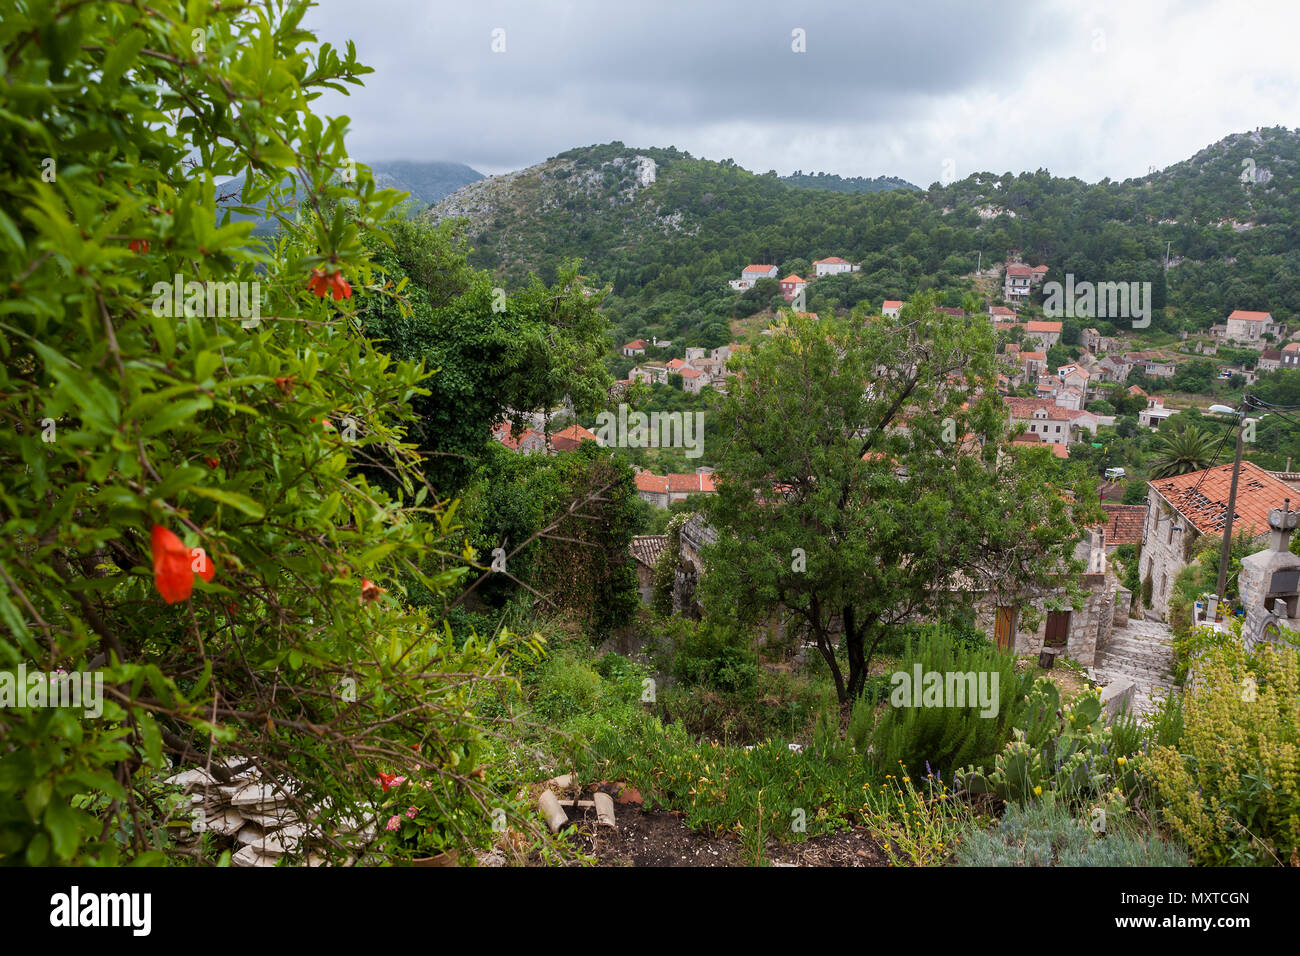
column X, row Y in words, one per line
column 857, row 659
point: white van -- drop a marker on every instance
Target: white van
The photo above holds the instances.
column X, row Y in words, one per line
column 1114, row 474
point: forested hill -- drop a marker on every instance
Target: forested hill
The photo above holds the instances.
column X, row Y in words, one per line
column 669, row 246
column 426, row 181
column 845, row 184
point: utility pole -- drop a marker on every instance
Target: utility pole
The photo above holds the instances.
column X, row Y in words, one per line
column 1226, row 549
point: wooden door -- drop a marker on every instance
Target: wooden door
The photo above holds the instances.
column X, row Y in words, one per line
column 1003, row 632
column 1058, row 628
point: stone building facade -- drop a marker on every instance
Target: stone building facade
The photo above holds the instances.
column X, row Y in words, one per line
column 1182, row 509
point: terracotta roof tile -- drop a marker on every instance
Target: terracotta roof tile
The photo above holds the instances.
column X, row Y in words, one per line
column 1124, row 523
column 646, row 548
column 1202, row 497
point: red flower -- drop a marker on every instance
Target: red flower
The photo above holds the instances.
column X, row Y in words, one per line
column 321, row 284
column 175, row 565
column 370, row 591
column 138, row 245
column 389, row 780
column 212, row 461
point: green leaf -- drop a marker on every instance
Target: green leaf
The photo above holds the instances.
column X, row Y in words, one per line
column 61, row 822
column 233, row 498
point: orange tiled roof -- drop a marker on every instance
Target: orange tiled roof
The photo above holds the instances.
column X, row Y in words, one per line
column 1124, row 523
column 1202, row 497
column 759, row 268
column 1244, row 316
column 893, row 304
column 570, row 438
column 1043, row 326
column 833, row 260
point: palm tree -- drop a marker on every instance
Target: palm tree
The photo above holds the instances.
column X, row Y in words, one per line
column 1181, row 451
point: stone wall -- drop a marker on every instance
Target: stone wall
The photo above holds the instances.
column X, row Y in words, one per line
column 1162, row 552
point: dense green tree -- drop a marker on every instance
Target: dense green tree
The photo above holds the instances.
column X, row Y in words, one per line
column 858, row 490
column 1181, row 450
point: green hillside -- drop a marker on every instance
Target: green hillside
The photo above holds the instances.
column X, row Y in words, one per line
column 669, row 247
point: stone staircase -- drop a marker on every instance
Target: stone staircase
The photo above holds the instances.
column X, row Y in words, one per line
column 1142, row 652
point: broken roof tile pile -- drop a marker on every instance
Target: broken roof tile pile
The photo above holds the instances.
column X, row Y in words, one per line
column 255, row 817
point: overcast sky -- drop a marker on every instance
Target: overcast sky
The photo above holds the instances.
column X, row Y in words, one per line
column 912, row 89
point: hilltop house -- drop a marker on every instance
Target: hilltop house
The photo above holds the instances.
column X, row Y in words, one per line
column 1291, row 355
column 634, row 348
column 791, row 286
column 1181, row 509
column 832, row 265
column 1020, row 279
column 1000, row 313
column 751, row 274
column 1270, row 360
column 1247, row 328
column 891, row 307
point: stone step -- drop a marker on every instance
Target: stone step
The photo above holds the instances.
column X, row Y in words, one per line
column 1124, row 663
column 1140, row 649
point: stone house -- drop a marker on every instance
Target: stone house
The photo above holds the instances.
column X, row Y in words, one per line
column 1291, row 355
column 1114, row 368
column 1247, row 328
column 693, row 379
column 634, row 348
column 1075, row 629
column 1270, row 360
column 1182, row 509
column 645, row 550
column 890, row 307
column 652, row 373
column 1047, row 334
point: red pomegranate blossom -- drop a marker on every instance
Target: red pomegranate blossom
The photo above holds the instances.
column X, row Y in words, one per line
column 138, row 245
column 321, row 284
column 175, row 565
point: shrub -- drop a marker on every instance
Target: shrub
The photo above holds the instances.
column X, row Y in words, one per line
column 1047, row 834
column 132, row 431
column 941, row 737
column 1147, row 590
column 1231, row 788
column 566, row 686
